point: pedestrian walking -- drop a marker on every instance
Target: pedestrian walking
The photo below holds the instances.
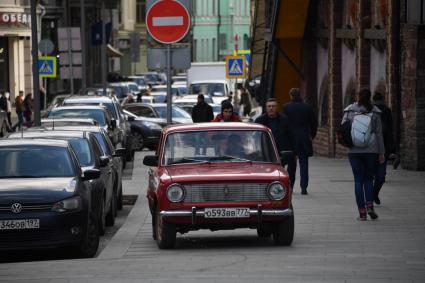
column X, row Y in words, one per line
column 278, row 124
column 245, row 102
column 28, row 109
column 387, row 134
column 227, row 114
column 367, row 150
column 9, row 109
column 19, row 105
column 128, row 99
column 202, row 112
column 302, row 129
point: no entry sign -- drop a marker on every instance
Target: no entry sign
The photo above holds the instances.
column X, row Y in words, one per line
column 167, row 21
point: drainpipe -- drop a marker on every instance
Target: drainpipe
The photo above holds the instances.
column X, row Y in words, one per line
column 218, row 30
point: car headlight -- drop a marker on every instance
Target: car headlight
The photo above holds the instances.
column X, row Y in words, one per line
column 276, row 191
column 69, row 204
column 175, row 193
column 152, row 126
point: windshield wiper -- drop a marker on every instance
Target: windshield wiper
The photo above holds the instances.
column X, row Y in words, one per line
column 188, row 160
column 228, row 157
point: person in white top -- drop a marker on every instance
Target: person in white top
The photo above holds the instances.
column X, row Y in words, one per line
column 9, row 109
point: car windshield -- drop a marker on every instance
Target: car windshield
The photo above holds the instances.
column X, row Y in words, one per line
column 83, row 152
column 219, row 146
column 35, row 162
column 108, row 105
column 177, row 112
column 216, row 89
column 95, row 114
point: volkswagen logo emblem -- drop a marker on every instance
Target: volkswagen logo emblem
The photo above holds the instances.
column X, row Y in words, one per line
column 16, row 208
column 226, row 190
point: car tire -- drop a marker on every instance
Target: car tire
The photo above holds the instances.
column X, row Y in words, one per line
column 120, row 198
column 165, row 233
column 110, row 217
column 284, row 232
column 263, row 233
column 90, row 243
column 101, row 218
column 138, row 141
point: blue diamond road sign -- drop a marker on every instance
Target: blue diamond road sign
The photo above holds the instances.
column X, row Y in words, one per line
column 47, row 66
column 235, row 67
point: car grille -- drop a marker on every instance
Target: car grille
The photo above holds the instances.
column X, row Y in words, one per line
column 226, row 192
column 29, row 208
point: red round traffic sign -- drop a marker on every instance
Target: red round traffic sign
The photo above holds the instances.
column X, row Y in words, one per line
column 167, row 21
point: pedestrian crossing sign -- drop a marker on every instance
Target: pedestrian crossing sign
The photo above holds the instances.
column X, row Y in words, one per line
column 47, row 66
column 235, row 67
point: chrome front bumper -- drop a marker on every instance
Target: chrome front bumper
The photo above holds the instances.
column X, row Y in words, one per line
column 195, row 212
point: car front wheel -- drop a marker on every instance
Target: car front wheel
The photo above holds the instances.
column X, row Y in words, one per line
column 284, row 232
column 165, row 233
column 90, row 243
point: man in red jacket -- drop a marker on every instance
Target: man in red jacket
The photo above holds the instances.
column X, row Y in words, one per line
column 227, row 114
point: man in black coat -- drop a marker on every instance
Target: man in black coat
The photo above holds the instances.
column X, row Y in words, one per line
column 202, row 112
column 302, row 129
column 278, row 123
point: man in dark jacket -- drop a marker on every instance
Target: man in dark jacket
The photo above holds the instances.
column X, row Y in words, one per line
column 278, row 123
column 202, row 112
column 302, row 129
column 387, row 133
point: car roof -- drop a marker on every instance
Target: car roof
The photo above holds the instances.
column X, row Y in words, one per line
column 48, row 133
column 208, row 81
column 36, row 142
column 52, row 120
column 89, row 107
column 89, row 99
column 90, row 129
column 214, row 126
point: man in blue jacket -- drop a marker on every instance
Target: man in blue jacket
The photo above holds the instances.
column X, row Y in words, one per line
column 278, row 123
column 302, row 129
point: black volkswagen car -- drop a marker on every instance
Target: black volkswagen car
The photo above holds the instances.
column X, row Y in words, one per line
column 45, row 197
column 90, row 155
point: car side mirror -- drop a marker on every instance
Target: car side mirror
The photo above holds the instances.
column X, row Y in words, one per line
column 130, row 118
column 285, row 156
column 151, row 160
column 90, row 174
column 104, row 161
column 119, row 152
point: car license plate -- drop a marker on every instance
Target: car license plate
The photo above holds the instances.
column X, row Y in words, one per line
column 227, row 212
column 19, row 224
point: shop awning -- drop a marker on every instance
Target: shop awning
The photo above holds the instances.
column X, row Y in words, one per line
column 113, row 52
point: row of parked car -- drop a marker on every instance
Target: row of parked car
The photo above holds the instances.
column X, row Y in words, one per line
column 61, row 183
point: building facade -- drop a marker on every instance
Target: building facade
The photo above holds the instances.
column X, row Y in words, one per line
column 340, row 47
column 219, row 28
column 15, row 46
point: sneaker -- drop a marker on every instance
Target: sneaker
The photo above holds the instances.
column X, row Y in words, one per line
column 372, row 213
column 377, row 200
column 362, row 215
column 304, row 192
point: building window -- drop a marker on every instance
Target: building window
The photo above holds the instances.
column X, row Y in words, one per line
column 415, row 11
column 214, row 2
column 245, row 41
column 140, row 11
column 207, row 51
column 222, row 40
column 195, row 50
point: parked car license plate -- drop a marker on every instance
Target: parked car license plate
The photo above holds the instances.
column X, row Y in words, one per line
column 19, row 224
column 227, row 212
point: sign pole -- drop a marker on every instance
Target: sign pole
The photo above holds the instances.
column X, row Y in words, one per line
column 35, row 78
column 169, row 95
column 83, row 47
column 71, row 71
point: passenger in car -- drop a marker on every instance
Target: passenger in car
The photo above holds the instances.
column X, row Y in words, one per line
column 235, row 147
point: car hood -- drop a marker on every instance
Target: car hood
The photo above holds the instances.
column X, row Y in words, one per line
column 229, row 171
column 35, row 190
column 163, row 122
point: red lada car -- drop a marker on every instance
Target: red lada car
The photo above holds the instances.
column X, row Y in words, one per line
column 218, row 176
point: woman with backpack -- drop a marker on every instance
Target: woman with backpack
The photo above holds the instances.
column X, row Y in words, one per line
column 367, row 149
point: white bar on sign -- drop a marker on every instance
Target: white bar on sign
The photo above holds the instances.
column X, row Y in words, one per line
column 167, row 21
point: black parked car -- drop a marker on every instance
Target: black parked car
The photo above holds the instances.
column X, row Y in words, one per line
column 145, row 133
column 90, row 155
column 108, row 149
column 97, row 113
column 45, row 197
column 113, row 105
